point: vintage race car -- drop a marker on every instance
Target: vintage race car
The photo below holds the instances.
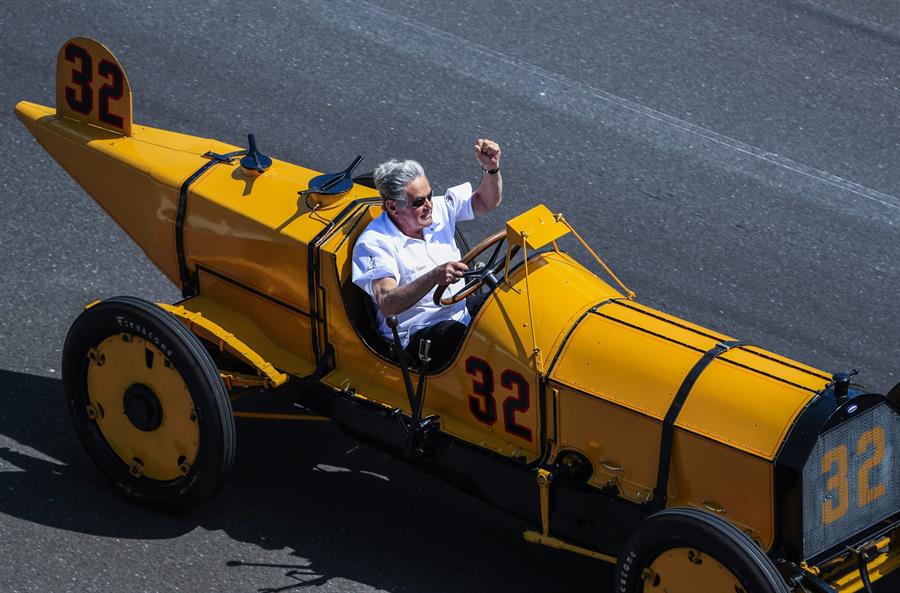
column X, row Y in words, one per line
column 692, row 460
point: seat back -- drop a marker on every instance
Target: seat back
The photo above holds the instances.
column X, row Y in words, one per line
column 358, row 304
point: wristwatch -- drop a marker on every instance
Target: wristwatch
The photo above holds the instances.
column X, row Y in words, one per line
column 490, row 171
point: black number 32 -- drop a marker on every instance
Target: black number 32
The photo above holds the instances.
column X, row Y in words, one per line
column 483, row 404
column 80, row 98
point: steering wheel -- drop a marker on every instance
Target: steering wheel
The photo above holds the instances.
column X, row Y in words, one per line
column 478, row 276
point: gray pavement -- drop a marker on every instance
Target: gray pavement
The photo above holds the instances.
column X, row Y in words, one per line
column 736, row 163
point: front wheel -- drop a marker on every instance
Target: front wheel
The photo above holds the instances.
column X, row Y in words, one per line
column 147, row 403
column 684, row 550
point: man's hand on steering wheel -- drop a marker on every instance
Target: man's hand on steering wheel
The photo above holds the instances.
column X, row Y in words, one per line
column 448, row 273
column 477, row 276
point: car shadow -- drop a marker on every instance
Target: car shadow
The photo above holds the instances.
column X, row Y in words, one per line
column 345, row 510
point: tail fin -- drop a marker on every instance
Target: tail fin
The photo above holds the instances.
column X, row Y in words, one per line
column 91, row 86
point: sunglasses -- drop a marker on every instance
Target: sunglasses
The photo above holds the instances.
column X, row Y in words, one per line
column 420, row 201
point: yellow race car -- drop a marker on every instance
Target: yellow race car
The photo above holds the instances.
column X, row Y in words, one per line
column 692, row 460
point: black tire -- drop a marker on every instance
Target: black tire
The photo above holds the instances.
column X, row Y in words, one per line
column 196, row 416
column 686, row 528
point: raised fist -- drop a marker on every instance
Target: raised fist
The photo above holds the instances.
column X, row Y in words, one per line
column 488, row 153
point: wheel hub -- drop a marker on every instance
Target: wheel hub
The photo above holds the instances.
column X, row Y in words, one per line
column 685, row 570
column 142, row 407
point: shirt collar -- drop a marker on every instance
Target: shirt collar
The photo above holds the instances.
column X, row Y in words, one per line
column 399, row 238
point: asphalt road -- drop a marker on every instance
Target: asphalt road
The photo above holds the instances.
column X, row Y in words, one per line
column 736, row 163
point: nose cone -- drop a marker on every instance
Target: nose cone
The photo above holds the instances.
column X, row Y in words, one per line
column 32, row 113
column 135, row 179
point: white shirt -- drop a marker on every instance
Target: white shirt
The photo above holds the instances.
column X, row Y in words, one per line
column 383, row 251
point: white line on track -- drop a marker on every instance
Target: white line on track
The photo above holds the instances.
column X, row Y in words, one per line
column 868, row 25
column 423, row 41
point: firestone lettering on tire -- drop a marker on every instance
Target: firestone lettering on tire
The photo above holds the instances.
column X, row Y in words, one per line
column 625, row 570
column 138, row 329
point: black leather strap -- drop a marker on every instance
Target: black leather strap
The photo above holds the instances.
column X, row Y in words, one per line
column 188, row 283
column 660, row 492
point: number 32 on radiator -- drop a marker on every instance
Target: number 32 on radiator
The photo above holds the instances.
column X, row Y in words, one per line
column 835, row 465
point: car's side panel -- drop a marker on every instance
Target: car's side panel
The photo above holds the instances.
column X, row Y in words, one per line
column 230, row 244
column 636, row 369
column 743, row 408
column 491, row 394
column 746, row 397
column 623, row 448
column 735, row 416
column 356, row 366
column 257, row 229
column 277, row 331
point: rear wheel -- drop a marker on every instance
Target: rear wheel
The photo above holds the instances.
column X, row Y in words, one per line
column 148, row 403
column 683, row 550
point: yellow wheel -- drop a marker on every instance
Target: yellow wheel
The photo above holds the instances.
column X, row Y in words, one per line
column 148, row 403
column 684, row 550
column 124, row 377
column 684, row 570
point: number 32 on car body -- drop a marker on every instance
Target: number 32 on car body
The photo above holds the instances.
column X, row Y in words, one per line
column 91, row 86
column 516, row 399
column 835, row 465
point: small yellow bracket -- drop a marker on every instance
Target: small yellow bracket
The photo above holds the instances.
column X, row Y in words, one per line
column 535, row 228
column 205, row 329
column 234, row 380
column 544, row 478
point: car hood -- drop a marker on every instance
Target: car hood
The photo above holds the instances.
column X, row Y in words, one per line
column 636, row 357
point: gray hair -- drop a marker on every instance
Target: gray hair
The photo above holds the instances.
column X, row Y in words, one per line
column 392, row 177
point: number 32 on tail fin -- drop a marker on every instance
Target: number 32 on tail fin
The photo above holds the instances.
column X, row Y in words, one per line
column 91, row 86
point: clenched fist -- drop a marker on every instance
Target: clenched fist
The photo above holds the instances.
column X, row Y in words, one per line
column 488, row 153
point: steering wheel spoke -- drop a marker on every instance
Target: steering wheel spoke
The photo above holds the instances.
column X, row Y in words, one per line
column 476, row 277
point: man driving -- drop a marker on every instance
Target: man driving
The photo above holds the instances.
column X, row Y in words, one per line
column 410, row 249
